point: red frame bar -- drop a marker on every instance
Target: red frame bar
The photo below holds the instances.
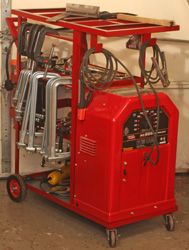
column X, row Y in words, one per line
column 165, row 208
column 79, row 48
column 75, row 25
column 12, row 27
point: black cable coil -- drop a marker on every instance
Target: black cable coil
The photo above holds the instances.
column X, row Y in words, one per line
column 94, row 79
column 152, row 76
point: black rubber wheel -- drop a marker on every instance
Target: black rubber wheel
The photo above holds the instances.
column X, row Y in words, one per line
column 16, row 188
column 112, row 237
column 169, row 222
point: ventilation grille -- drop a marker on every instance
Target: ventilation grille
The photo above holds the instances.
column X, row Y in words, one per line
column 87, row 146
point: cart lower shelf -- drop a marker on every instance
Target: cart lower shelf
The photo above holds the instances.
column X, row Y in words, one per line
column 17, row 188
column 36, row 184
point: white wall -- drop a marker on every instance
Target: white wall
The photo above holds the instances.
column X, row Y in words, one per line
column 177, row 53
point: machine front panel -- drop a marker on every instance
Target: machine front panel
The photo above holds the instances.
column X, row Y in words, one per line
column 137, row 133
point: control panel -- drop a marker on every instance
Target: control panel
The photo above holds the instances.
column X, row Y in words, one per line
column 137, row 133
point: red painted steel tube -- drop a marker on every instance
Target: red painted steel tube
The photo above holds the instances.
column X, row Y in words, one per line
column 94, row 41
column 17, row 124
column 17, row 155
column 12, row 27
column 144, row 38
column 79, row 48
column 94, row 30
column 61, row 37
column 169, row 205
column 43, row 10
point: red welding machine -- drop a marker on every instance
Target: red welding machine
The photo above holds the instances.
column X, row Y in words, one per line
column 122, row 187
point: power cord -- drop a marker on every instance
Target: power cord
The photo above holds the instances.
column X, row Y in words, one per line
column 9, row 85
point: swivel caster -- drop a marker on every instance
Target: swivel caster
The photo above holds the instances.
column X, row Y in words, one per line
column 112, row 236
column 16, row 188
column 169, row 222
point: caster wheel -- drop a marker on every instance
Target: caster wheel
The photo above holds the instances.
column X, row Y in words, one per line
column 169, row 222
column 112, row 237
column 16, row 188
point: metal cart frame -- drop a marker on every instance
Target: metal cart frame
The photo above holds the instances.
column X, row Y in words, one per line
column 81, row 26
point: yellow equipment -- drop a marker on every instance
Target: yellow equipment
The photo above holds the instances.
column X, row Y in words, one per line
column 56, row 177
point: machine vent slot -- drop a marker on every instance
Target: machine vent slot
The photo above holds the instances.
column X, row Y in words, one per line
column 87, row 146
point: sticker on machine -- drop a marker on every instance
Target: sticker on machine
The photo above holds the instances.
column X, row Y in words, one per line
column 131, row 137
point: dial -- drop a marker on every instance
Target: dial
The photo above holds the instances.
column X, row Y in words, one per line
column 126, row 131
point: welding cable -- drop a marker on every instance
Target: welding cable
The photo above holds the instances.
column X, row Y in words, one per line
column 150, row 79
column 150, row 82
column 96, row 80
column 23, row 32
column 158, row 67
column 8, row 83
column 61, row 190
column 147, row 156
column 89, row 81
column 101, row 79
column 152, row 75
column 61, row 193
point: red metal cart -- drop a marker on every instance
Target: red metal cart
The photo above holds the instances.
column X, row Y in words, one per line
column 107, row 186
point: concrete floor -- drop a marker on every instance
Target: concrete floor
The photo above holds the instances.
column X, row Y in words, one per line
column 39, row 224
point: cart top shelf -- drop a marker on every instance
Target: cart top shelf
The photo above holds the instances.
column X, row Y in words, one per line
column 106, row 28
